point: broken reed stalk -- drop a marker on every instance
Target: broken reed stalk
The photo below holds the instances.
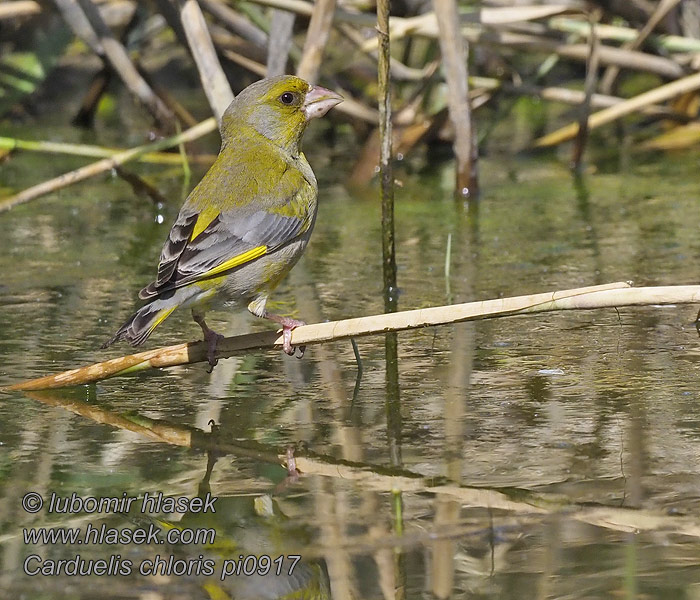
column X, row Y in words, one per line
column 101, row 166
column 214, row 80
column 602, row 296
column 454, row 52
column 608, row 115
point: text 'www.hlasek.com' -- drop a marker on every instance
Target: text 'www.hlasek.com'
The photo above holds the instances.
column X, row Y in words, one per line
column 146, row 531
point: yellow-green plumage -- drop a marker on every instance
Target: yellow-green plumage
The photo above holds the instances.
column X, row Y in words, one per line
column 249, row 219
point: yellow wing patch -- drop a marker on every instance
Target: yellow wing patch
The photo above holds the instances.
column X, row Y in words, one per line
column 164, row 314
column 236, row 261
column 203, row 220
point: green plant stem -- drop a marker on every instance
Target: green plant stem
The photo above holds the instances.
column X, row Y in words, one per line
column 165, row 158
column 106, row 164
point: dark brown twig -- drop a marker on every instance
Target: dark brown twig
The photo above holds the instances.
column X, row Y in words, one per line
column 589, row 88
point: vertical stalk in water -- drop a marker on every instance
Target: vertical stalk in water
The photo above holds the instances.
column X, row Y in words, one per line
column 590, row 86
column 393, row 402
column 454, row 52
column 385, row 167
column 393, row 397
column 394, row 419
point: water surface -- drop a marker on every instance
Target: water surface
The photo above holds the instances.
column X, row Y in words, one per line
column 547, row 456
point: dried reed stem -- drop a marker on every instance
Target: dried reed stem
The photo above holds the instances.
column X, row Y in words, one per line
column 214, row 81
column 602, row 296
column 608, row 115
column 454, row 53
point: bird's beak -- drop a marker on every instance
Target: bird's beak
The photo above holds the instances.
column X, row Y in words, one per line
column 319, row 101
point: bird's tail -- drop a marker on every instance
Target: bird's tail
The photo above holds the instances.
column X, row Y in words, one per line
column 142, row 323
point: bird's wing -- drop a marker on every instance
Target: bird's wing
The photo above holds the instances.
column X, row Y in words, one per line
column 210, row 242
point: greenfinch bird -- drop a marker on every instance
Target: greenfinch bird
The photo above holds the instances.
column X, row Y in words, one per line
column 249, row 219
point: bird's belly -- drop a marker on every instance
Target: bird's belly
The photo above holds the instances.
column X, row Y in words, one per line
column 262, row 275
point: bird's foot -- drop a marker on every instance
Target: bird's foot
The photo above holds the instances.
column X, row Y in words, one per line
column 292, row 472
column 291, row 464
column 211, row 338
column 288, row 324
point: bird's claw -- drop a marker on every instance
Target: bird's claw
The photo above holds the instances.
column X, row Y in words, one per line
column 212, row 339
column 287, row 341
column 289, row 324
column 287, row 345
column 292, row 463
column 292, row 471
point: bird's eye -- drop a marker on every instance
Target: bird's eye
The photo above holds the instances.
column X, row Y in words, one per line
column 287, row 98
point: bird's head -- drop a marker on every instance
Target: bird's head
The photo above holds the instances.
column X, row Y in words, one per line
column 278, row 108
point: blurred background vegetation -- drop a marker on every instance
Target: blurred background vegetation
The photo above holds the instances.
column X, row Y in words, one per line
column 126, row 72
